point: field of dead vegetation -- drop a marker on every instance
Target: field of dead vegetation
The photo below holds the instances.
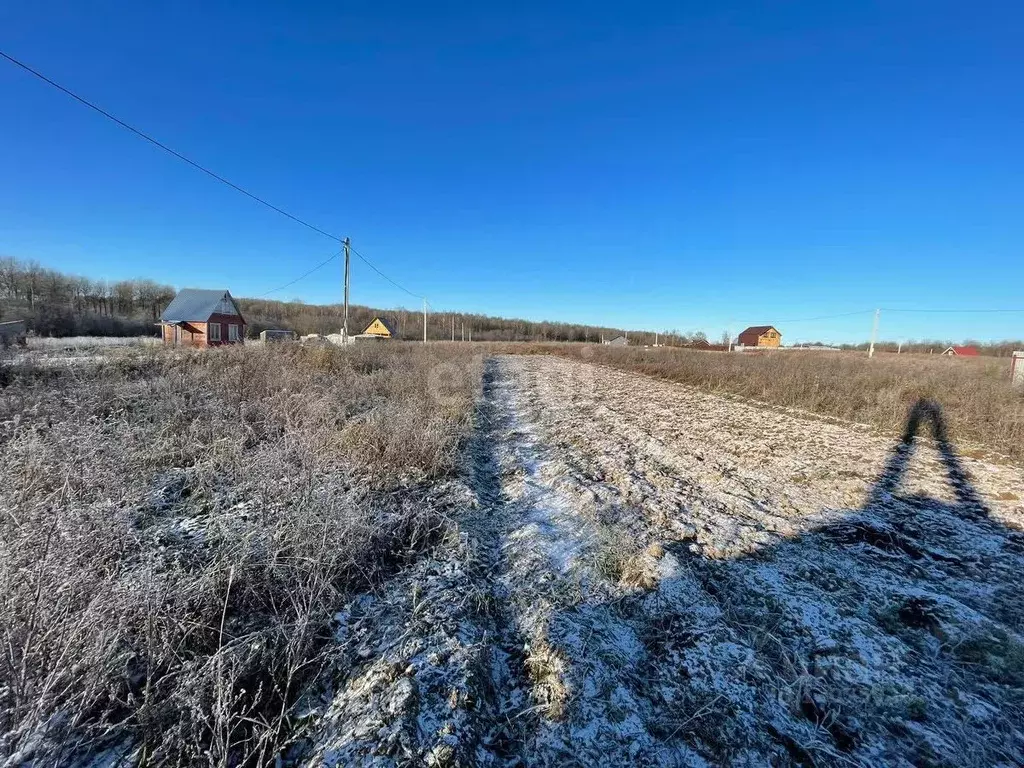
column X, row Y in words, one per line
column 419, row 555
column 984, row 410
column 177, row 529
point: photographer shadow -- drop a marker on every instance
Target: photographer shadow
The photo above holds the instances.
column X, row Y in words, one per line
column 891, row 635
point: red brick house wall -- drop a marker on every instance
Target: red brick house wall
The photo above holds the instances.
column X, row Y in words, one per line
column 198, row 334
column 224, row 321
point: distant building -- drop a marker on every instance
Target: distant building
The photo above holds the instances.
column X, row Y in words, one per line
column 761, row 336
column 961, row 352
column 277, row 335
column 706, row 346
column 381, row 329
column 202, row 318
column 619, row 341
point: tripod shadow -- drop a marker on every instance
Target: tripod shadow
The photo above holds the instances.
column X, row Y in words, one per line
column 892, row 636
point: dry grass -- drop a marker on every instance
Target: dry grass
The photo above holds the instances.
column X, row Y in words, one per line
column 976, row 395
column 86, row 342
column 177, row 528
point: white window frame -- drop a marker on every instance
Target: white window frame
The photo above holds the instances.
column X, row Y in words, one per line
column 233, row 332
column 213, row 331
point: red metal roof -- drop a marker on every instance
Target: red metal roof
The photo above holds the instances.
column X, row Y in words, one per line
column 966, row 351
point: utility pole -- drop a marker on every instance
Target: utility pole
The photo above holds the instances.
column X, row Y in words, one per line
column 424, row 321
column 471, row 333
column 344, row 329
column 655, row 338
column 874, row 334
column 463, row 330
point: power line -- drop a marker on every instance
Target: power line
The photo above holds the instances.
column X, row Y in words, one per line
column 143, row 135
column 164, row 147
column 883, row 309
column 827, row 317
column 953, row 311
column 374, row 268
column 304, row 276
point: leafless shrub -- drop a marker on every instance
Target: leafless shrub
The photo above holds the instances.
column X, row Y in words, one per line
column 177, row 528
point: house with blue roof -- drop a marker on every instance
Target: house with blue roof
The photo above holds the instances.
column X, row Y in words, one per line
column 202, row 318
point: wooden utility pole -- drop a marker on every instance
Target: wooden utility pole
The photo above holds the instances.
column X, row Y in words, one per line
column 344, row 329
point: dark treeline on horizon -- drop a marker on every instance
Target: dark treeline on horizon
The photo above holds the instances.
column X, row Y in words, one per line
column 57, row 304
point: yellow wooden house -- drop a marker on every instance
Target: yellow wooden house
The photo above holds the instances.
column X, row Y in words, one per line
column 761, row 336
column 381, row 328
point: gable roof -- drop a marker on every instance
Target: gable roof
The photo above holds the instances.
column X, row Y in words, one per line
column 386, row 323
column 760, row 330
column 197, row 304
column 963, row 351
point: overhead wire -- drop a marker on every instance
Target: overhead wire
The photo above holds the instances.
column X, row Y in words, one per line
column 887, row 309
column 198, row 166
column 951, row 311
column 164, row 147
column 156, row 142
column 304, row 276
column 374, row 268
column 827, row 317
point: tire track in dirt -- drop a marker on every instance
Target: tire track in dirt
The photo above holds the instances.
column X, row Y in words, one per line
column 572, row 700
column 642, row 582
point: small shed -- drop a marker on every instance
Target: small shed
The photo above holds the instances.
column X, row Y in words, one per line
column 761, row 336
column 202, row 318
column 961, row 351
column 381, row 329
column 277, row 335
column 619, row 341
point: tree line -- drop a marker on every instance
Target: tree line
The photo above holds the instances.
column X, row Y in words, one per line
column 57, row 304
column 263, row 314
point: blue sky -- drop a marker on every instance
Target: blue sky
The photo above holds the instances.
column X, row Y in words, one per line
column 647, row 165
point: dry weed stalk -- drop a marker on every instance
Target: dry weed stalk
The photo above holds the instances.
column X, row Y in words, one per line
column 178, row 528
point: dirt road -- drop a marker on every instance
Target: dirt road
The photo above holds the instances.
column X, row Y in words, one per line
column 641, row 573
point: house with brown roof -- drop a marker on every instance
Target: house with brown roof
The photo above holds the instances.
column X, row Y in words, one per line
column 761, row 336
column 961, row 352
column 202, row 318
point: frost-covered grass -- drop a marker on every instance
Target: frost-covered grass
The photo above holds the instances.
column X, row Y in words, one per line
column 868, row 614
column 86, row 342
column 326, row 556
column 178, row 527
column 975, row 392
